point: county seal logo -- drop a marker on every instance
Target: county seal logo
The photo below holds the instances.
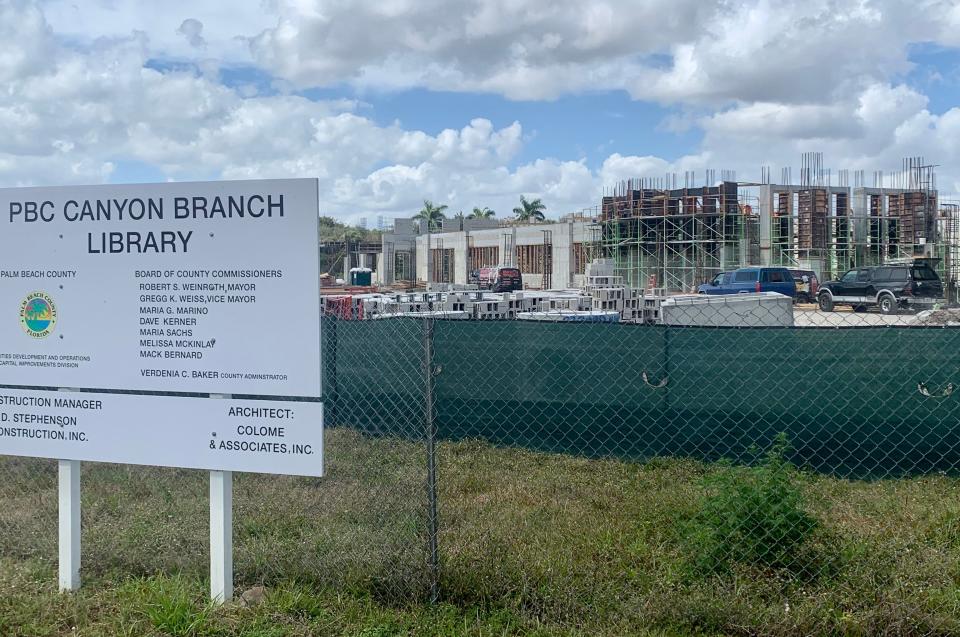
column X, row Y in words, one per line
column 38, row 314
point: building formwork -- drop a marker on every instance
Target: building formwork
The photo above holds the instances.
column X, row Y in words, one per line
column 834, row 228
column 677, row 238
column 680, row 238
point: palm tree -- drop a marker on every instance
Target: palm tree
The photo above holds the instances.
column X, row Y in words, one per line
column 481, row 213
column 459, row 215
column 432, row 214
column 529, row 211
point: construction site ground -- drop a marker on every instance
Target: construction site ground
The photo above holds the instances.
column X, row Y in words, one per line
column 808, row 315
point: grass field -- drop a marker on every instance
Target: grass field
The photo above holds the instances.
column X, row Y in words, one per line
column 532, row 544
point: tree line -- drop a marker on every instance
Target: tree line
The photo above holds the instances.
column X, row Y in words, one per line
column 528, row 211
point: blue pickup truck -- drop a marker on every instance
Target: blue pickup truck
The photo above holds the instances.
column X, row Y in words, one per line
column 753, row 279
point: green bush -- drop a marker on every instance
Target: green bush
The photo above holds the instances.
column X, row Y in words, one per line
column 754, row 516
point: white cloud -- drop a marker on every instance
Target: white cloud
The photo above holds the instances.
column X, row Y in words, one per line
column 786, row 121
column 192, row 30
column 74, row 117
column 526, row 49
column 762, row 81
column 617, row 168
column 23, row 56
column 224, row 24
column 872, row 129
column 707, row 51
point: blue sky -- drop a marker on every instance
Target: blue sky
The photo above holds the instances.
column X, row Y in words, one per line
column 588, row 126
column 936, row 73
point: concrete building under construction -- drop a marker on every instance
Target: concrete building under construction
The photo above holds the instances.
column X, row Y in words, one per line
column 678, row 238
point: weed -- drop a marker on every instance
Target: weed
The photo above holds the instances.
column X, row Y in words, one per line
column 297, row 602
column 754, row 516
column 171, row 605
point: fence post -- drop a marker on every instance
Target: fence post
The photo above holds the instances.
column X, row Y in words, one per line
column 666, row 368
column 431, row 435
column 328, row 362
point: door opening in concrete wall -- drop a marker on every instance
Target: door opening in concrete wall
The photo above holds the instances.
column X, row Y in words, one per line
column 442, row 264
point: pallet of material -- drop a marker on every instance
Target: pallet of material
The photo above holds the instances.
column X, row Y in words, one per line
column 571, row 316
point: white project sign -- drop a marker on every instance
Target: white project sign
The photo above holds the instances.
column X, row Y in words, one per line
column 205, row 287
column 283, row 437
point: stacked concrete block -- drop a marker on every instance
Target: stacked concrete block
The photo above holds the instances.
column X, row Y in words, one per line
column 633, row 304
column 566, row 304
column 458, row 306
column 488, row 309
column 571, row 316
column 458, row 302
column 652, row 300
column 607, row 299
column 406, row 307
column 356, row 306
column 605, row 293
column 387, row 305
column 514, row 305
column 600, row 267
column 520, row 302
column 371, row 307
column 417, row 303
column 606, row 281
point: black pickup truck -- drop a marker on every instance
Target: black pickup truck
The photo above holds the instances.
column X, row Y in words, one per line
column 890, row 287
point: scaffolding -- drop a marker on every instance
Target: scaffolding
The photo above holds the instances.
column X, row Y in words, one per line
column 949, row 248
column 835, row 229
column 677, row 238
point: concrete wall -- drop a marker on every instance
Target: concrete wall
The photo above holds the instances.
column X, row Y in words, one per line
column 456, row 241
column 402, row 239
column 564, row 235
column 454, row 224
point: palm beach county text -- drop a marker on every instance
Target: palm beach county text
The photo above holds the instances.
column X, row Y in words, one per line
column 255, row 207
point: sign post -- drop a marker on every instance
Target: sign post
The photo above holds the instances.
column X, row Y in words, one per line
column 68, row 487
column 221, row 536
column 221, row 532
column 173, row 289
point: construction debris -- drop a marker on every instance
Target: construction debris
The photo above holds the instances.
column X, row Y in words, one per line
column 604, row 298
column 949, row 317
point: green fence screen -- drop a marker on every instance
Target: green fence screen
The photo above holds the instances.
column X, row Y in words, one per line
column 854, row 401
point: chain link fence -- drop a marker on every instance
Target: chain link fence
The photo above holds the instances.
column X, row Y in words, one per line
column 738, row 478
column 591, row 477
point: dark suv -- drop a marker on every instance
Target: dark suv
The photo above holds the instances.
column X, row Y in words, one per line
column 889, row 287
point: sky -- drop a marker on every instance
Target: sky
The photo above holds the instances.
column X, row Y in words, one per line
column 472, row 103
